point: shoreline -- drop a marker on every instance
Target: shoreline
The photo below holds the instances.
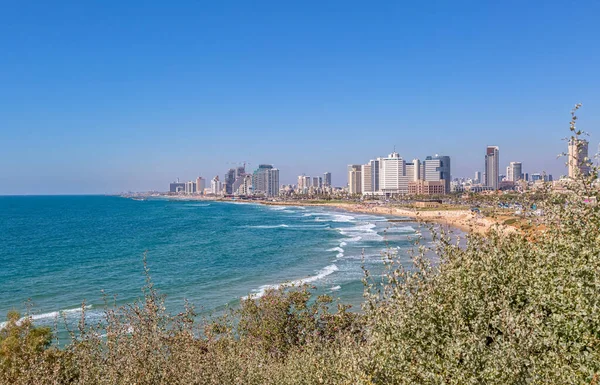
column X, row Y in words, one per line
column 464, row 220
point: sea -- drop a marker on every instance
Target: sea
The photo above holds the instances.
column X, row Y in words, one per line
column 58, row 251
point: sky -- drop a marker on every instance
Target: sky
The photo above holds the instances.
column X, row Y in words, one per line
column 111, row 96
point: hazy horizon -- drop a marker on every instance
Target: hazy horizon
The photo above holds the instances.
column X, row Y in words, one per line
column 112, row 97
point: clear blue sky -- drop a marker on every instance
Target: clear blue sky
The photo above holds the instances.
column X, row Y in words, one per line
column 109, row 96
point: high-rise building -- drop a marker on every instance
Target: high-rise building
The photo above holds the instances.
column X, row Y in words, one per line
column 229, row 180
column 514, row 171
column 190, row 187
column 177, row 187
column 215, row 186
column 200, row 185
column 391, row 171
column 366, row 179
column 265, row 180
column 578, row 162
column 492, row 167
column 477, row 177
column 437, row 168
column 316, row 182
column 273, row 183
column 354, row 179
column 327, row 179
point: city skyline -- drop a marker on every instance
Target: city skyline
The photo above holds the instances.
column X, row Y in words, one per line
column 118, row 97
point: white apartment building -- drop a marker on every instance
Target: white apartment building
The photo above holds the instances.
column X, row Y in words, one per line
column 514, row 171
column 354, row 179
column 391, row 171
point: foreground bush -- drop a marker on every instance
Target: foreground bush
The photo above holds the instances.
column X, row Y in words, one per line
column 517, row 308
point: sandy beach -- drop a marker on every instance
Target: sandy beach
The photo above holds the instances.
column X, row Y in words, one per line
column 462, row 219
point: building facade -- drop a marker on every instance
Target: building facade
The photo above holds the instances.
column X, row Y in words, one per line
column 327, row 179
column 265, row 180
column 577, row 162
column 492, row 167
column 424, row 187
column 354, row 179
column 514, row 171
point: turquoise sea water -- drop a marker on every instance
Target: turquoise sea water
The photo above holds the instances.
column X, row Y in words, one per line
column 57, row 251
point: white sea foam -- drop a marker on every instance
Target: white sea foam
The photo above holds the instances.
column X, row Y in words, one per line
column 277, row 208
column 342, row 244
column 334, row 288
column 403, row 229
column 343, row 218
column 198, row 205
column 48, row 316
column 338, row 249
column 324, row 272
column 364, row 231
column 268, row 226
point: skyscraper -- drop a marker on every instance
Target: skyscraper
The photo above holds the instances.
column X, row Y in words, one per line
column 316, row 181
column 391, row 171
column 273, row 183
column 437, row 168
column 492, row 167
column 229, row 180
column 200, row 185
column 215, row 186
column 327, row 179
column 265, row 180
column 366, row 177
column 477, row 177
column 354, row 179
column 577, row 161
column 514, row 171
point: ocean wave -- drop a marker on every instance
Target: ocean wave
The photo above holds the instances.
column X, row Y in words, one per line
column 198, row 205
column 48, row 316
column 338, row 249
column 343, row 218
column 402, row 229
column 324, row 272
column 335, row 288
column 268, row 226
column 342, row 244
column 278, row 208
column 364, row 231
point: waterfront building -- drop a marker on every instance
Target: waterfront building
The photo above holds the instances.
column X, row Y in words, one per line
column 190, row 187
column 177, row 187
column 354, row 179
column 391, row 169
column 492, row 167
column 327, row 179
column 578, row 162
column 229, row 180
column 265, row 180
column 366, row 179
column 303, row 184
column 424, row 187
column 437, row 168
column 200, row 185
column 245, row 185
column 215, row 186
column 316, row 182
column 514, row 171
